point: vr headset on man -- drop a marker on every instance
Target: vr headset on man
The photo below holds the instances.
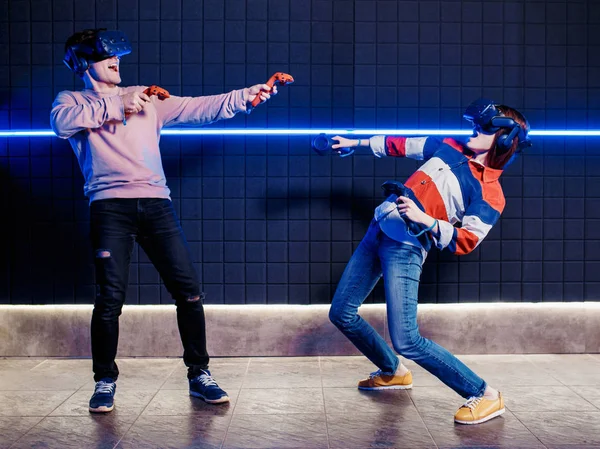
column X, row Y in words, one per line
column 100, row 45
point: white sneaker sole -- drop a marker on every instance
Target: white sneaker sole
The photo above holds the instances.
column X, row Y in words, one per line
column 102, row 409
column 391, row 387
column 221, row 400
column 482, row 420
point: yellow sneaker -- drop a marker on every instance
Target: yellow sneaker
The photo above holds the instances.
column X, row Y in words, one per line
column 478, row 410
column 380, row 381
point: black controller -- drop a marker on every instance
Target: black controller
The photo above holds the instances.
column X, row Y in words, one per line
column 399, row 189
column 322, row 145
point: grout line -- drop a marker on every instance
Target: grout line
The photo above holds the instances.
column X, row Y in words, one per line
column 236, row 401
column 324, row 404
column 549, row 373
column 42, row 417
column 26, row 433
column 420, row 416
column 529, row 430
column 545, row 412
column 39, row 364
column 146, row 406
column 570, row 387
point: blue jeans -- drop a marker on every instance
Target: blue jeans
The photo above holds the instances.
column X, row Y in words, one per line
column 116, row 224
column 400, row 265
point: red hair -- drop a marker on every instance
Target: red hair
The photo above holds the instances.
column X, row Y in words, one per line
column 497, row 158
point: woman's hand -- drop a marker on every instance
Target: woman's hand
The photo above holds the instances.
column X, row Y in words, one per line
column 408, row 208
column 343, row 143
column 262, row 90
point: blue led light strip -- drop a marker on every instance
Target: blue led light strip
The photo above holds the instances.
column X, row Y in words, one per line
column 300, row 132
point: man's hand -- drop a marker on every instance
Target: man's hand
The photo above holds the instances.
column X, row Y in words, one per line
column 134, row 102
column 263, row 91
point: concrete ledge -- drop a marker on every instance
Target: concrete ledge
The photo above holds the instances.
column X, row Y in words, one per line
column 285, row 330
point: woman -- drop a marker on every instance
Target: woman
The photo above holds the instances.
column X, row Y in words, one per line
column 458, row 183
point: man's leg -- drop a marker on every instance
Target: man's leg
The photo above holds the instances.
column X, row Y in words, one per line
column 112, row 233
column 164, row 242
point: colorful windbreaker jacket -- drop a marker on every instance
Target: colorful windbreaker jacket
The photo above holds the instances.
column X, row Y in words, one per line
column 462, row 194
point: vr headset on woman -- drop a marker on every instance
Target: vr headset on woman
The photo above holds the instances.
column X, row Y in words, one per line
column 487, row 119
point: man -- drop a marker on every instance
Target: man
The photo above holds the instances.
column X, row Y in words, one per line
column 114, row 132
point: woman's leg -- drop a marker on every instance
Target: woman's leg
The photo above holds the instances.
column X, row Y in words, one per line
column 360, row 276
column 401, row 266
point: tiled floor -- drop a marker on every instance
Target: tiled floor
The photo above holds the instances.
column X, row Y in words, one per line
column 552, row 401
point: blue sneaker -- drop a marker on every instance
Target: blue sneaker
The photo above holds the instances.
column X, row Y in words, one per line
column 205, row 387
column 103, row 399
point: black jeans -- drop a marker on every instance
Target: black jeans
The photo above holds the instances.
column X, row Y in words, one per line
column 116, row 224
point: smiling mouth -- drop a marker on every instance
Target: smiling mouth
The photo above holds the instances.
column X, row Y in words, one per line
column 114, row 67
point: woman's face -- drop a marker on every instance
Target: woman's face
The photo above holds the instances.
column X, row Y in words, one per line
column 479, row 142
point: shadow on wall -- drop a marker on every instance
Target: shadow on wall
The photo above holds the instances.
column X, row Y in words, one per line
column 338, row 201
column 5, row 220
column 343, row 204
column 43, row 258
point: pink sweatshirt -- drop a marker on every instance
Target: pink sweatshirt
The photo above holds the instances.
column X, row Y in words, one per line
column 123, row 161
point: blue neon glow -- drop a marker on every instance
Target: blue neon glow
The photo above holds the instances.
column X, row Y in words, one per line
column 300, row 132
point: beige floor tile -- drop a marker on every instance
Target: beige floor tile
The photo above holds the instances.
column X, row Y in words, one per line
column 127, row 402
column 570, row 369
column 556, row 428
column 589, row 393
column 68, row 432
column 179, row 402
column 349, row 400
column 31, row 403
column 277, row 431
column 549, row 398
column 176, row 432
column 141, row 374
column 361, row 430
column 344, row 372
column 228, row 374
column 504, row 431
column 14, row 427
column 280, row 401
column 50, row 374
column 502, row 371
column 283, row 374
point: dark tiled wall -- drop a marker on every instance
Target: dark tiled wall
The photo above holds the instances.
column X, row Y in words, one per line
column 271, row 222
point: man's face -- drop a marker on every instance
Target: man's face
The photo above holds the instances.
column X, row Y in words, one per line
column 106, row 71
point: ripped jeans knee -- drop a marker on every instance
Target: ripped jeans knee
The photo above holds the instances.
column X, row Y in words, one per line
column 103, row 254
column 190, row 300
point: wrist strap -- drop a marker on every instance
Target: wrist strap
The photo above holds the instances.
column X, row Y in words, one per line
column 424, row 230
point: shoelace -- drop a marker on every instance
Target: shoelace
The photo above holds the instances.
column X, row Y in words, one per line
column 378, row 373
column 104, row 387
column 473, row 402
column 206, row 380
